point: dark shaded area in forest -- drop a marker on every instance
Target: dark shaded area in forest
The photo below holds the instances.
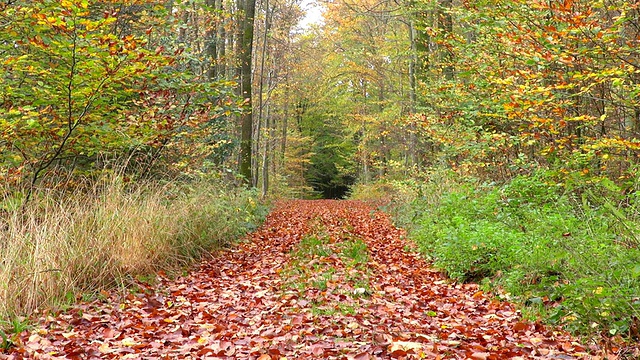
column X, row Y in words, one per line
column 328, row 186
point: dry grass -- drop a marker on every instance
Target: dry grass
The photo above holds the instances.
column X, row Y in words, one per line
column 59, row 246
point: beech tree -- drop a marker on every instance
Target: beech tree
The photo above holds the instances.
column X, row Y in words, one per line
column 84, row 78
column 247, row 8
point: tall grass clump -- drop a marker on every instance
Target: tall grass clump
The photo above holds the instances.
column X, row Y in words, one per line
column 59, row 245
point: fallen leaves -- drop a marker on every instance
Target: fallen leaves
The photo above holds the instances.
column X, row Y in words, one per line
column 356, row 294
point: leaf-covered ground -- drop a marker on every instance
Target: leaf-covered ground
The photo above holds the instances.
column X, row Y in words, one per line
column 320, row 279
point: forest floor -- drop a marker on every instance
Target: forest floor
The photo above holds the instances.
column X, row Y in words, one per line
column 320, row 279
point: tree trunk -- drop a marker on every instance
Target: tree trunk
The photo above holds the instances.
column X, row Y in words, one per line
column 413, row 61
column 446, row 25
column 263, row 57
column 246, row 120
column 267, row 151
column 212, row 43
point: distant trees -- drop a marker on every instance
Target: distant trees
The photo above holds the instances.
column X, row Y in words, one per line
column 493, row 89
column 346, row 90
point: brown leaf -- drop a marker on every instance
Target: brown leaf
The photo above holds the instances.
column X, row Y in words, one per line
column 362, row 356
column 317, row 349
column 480, row 355
column 405, row 346
column 520, row 326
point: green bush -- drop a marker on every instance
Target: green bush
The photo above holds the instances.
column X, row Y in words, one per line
column 569, row 254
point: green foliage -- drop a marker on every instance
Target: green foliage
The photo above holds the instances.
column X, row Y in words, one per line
column 313, row 267
column 320, row 309
column 350, row 90
column 571, row 256
column 356, row 251
column 355, row 254
column 216, row 224
column 301, row 276
column 312, row 246
column 330, row 171
column 507, row 87
column 326, row 172
column 77, row 82
column 9, row 329
column 5, row 344
column 371, row 192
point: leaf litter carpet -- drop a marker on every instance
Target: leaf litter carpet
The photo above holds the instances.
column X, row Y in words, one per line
column 320, row 279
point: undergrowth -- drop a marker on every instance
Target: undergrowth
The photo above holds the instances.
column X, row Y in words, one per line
column 567, row 253
column 61, row 246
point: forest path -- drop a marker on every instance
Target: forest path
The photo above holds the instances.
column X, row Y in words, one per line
column 320, row 279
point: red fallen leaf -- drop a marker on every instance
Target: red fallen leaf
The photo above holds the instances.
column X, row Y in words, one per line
column 520, row 326
column 264, row 357
column 230, row 351
column 205, row 351
column 317, row 349
column 383, row 339
column 480, row 355
column 391, row 289
column 398, row 353
column 535, row 341
column 108, row 333
column 89, row 317
column 104, row 348
column 297, row 320
column 567, row 346
column 360, row 356
column 406, row 346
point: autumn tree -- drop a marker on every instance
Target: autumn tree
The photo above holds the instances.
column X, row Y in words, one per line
column 247, row 8
column 83, row 78
column 507, row 85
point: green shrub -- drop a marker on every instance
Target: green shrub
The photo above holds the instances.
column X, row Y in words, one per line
column 569, row 254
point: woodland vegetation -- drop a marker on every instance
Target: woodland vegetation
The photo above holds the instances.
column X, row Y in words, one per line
column 505, row 135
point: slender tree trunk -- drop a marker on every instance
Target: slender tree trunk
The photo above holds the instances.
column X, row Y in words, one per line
column 267, row 152
column 246, row 119
column 285, row 118
column 383, row 138
column 413, row 139
column 412, row 68
column 263, row 57
column 195, row 24
column 182, row 33
column 255, row 161
column 212, row 43
column 223, row 63
column 446, row 25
